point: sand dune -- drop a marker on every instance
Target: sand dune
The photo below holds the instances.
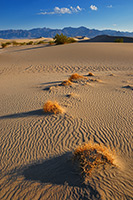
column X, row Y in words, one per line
column 37, row 147
column 109, row 38
column 26, row 40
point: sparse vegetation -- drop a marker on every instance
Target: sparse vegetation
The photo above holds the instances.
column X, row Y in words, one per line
column 71, row 40
column 52, row 107
column 90, row 74
column 4, row 45
column 120, row 40
column 66, row 82
column 92, row 155
column 15, row 43
column 41, row 42
column 22, row 43
column 63, row 39
column 76, row 76
column 30, row 43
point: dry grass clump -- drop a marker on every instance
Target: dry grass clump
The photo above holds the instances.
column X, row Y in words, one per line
column 91, row 155
column 52, row 107
column 66, row 82
column 76, row 76
column 90, row 74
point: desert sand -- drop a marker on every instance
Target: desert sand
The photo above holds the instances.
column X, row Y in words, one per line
column 37, row 147
column 26, row 40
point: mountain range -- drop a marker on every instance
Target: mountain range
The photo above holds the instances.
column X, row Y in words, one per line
column 68, row 31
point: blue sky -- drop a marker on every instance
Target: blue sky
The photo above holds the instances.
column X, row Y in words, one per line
column 97, row 14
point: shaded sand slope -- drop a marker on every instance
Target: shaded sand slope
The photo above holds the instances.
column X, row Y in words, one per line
column 36, row 147
column 108, row 38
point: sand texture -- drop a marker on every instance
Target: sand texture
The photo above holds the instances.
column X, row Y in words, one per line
column 37, row 147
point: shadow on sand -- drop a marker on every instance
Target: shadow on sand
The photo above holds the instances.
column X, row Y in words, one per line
column 60, row 171
column 33, row 48
column 39, row 112
column 128, row 87
column 49, row 83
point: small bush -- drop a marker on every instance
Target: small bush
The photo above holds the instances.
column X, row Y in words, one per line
column 4, row 45
column 66, row 82
column 92, row 155
column 120, row 40
column 29, row 43
column 52, row 107
column 8, row 43
column 76, row 76
column 63, row 39
column 71, row 40
column 41, row 42
column 15, row 43
column 22, row 43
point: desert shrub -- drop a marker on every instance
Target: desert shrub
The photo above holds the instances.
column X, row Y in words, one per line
column 120, row 40
column 29, row 43
column 4, row 45
column 15, row 43
column 90, row 74
column 71, row 40
column 41, row 42
column 63, row 39
column 8, row 43
column 52, row 107
column 22, row 43
column 92, row 155
column 66, row 82
column 76, row 76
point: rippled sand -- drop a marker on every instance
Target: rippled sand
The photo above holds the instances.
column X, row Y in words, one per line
column 36, row 147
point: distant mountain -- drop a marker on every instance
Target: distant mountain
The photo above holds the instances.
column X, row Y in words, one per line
column 68, row 31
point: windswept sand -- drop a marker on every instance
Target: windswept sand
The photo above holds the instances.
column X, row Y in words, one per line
column 36, row 147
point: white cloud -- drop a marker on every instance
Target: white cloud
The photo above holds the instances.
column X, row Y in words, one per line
column 78, row 8
column 58, row 10
column 63, row 10
column 92, row 7
column 109, row 6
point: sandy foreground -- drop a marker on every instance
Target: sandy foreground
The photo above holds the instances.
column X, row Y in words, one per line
column 36, row 147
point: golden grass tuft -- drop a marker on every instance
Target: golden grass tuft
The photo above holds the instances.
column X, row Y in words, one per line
column 76, row 76
column 92, row 155
column 66, row 82
column 90, row 74
column 52, row 107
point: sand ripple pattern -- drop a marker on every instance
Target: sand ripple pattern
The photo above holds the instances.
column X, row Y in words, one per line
column 40, row 145
column 74, row 68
